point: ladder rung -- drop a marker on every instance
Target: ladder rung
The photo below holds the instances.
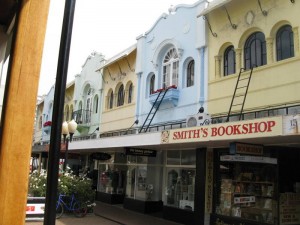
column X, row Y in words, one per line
column 237, row 104
column 239, row 95
column 241, row 87
column 246, row 78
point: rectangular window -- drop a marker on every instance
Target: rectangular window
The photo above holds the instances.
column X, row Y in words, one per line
column 180, row 179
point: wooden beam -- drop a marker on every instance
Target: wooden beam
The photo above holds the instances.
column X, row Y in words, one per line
column 21, row 97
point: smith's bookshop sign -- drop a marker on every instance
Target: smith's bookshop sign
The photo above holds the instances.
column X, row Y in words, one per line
column 265, row 127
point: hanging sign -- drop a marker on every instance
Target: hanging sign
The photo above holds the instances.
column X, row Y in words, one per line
column 101, row 156
column 140, row 152
column 246, row 149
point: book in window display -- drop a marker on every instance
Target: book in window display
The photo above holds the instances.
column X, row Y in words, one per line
column 247, row 191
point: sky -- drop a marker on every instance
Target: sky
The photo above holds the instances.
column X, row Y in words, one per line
column 104, row 26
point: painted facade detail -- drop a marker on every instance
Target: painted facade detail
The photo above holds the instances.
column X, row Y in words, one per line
column 164, row 55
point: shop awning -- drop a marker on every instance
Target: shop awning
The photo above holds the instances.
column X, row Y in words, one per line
column 212, row 6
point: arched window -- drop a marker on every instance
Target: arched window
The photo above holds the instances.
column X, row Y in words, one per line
column 111, row 100
column 190, row 74
column 121, row 96
column 170, row 68
column 67, row 113
column 40, row 122
column 285, row 43
column 229, row 61
column 71, row 112
column 130, row 90
column 152, row 84
column 95, row 105
column 255, row 50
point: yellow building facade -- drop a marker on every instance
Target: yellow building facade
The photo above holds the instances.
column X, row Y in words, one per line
column 253, row 31
column 119, row 92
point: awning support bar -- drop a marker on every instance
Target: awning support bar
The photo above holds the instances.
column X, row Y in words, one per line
column 234, row 26
column 213, row 33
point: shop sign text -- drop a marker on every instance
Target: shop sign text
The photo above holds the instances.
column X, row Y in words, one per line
column 234, row 130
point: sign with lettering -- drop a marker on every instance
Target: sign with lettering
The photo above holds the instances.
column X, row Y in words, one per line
column 140, row 152
column 248, row 149
column 265, row 127
column 289, row 208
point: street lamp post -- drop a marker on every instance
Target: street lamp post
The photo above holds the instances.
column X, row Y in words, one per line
column 68, row 128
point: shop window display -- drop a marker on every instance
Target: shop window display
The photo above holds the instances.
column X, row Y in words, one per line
column 180, row 179
column 112, row 175
column 144, row 178
column 246, row 187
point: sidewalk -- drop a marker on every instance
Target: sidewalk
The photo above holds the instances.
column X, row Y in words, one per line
column 116, row 213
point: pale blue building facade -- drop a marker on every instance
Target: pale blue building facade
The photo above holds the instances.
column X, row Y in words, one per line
column 172, row 53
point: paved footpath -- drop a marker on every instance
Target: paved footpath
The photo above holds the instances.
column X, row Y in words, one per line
column 89, row 219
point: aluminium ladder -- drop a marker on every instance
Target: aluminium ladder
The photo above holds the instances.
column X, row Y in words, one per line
column 240, row 93
column 144, row 128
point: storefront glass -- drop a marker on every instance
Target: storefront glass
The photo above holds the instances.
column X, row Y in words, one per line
column 180, row 179
column 112, row 174
column 144, row 177
column 247, row 187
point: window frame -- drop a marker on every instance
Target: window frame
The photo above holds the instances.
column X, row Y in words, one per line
column 229, row 61
column 286, row 50
column 120, row 100
column 256, row 53
column 170, row 68
column 190, row 74
column 110, row 104
column 152, row 84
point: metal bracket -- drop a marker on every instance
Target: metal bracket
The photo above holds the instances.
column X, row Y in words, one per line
column 132, row 70
column 264, row 12
column 213, row 33
column 121, row 72
column 234, row 26
column 110, row 75
column 103, row 78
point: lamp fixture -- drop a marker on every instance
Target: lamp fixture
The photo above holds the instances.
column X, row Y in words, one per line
column 69, row 128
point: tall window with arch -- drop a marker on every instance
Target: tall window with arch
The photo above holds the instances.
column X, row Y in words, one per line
column 88, row 106
column 229, row 61
column 71, row 112
column 120, row 101
column 190, row 73
column 170, row 68
column 111, row 100
column 95, row 105
column 67, row 113
column 255, row 51
column 40, row 122
column 130, row 92
column 285, row 43
column 152, row 84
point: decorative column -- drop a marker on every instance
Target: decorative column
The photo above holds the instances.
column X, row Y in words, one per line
column 218, row 66
column 238, row 59
column 296, row 40
column 270, row 51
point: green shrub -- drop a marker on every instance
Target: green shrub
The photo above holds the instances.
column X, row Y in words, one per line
column 68, row 184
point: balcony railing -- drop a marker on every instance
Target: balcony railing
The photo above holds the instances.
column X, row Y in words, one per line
column 82, row 117
column 171, row 96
